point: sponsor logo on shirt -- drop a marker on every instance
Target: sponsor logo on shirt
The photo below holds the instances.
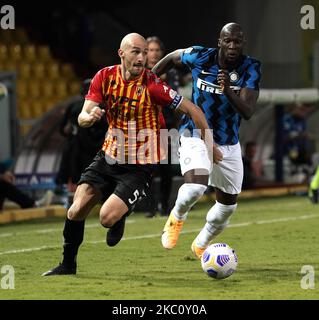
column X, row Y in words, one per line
column 213, row 88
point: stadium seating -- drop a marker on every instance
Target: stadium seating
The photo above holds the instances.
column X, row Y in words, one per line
column 24, row 109
column 74, row 87
column 36, row 108
column 24, row 71
column 49, row 103
column 47, row 89
column 10, row 65
column 29, row 53
column 14, row 36
column 15, row 52
column 38, row 69
column 3, row 52
column 67, row 71
column 42, row 81
column 61, row 89
column 34, row 89
column 44, row 54
column 22, row 89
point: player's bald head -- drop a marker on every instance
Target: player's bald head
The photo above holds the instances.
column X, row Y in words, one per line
column 133, row 54
column 131, row 40
column 231, row 28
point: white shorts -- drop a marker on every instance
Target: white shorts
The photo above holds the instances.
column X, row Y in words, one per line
column 227, row 175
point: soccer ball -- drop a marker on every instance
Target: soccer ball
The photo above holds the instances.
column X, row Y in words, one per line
column 219, row 261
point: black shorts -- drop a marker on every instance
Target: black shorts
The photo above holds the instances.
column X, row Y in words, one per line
column 129, row 182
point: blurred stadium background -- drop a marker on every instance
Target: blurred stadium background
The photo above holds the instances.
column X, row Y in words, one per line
column 54, row 47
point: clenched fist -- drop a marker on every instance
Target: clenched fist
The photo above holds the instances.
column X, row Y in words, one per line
column 87, row 119
column 223, row 80
column 96, row 114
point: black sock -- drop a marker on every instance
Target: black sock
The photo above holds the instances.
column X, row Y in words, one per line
column 73, row 236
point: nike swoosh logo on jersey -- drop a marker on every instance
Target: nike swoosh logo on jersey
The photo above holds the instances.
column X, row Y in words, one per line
column 209, row 73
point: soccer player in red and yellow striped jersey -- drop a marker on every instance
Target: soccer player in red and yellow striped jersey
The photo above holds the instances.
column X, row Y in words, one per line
column 132, row 104
column 132, row 96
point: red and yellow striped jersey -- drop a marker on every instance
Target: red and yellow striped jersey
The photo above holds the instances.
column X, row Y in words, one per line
column 133, row 113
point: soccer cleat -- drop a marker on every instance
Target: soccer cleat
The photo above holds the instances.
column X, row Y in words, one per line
column 197, row 251
column 171, row 232
column 115, row 233
column 61, row 270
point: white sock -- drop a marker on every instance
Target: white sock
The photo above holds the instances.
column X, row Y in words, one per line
column 188, row 195
column 206, row 235
column 217, row 220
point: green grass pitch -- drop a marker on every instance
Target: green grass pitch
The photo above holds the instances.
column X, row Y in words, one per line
column 274, row 238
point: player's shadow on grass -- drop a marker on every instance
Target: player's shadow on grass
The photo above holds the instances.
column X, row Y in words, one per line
column 290, row 272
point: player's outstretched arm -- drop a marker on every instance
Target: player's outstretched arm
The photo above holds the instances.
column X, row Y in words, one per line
column 91, row 112
column 168, row 62
column 189, row 108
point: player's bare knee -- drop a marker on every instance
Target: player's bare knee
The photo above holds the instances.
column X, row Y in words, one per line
column 107, row 220
column 74, row 212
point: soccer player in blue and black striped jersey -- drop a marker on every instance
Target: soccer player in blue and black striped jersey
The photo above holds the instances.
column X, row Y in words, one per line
column 226, row 88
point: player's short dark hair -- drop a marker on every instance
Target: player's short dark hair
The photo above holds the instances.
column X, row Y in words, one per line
column 156, row 40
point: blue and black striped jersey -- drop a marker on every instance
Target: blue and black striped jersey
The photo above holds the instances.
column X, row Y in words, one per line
column 222, row 117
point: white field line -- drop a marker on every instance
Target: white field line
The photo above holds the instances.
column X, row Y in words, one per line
column 235, row 225
column 93, row 225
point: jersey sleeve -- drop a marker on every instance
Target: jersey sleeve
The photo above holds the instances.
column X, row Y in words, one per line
column 253, row 76
column 95, row 90
column 163, row 95
column 195, row 55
